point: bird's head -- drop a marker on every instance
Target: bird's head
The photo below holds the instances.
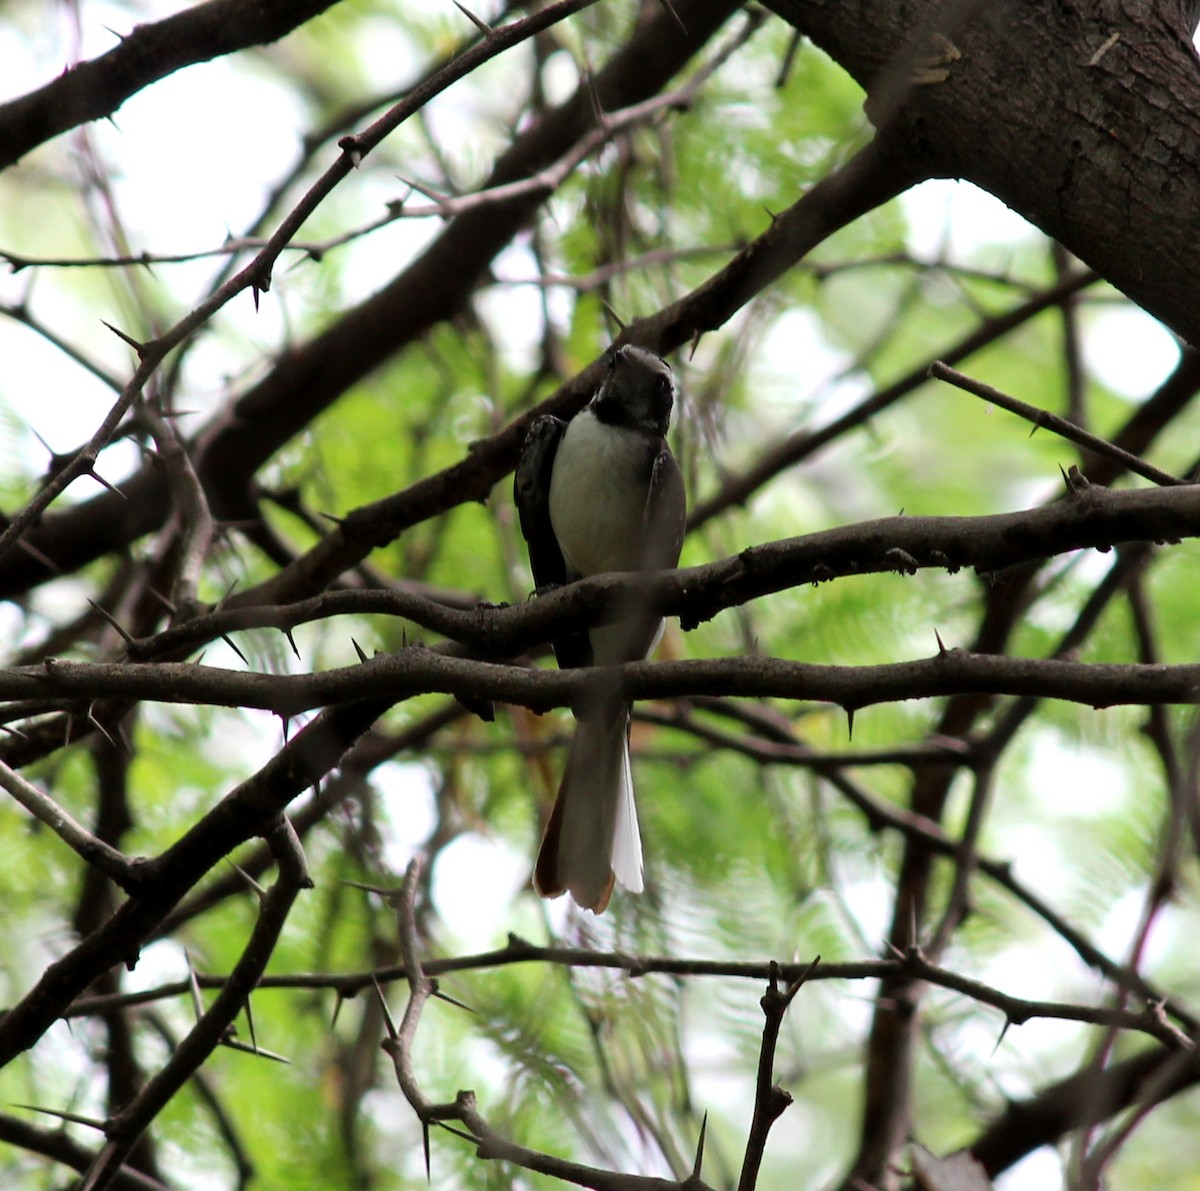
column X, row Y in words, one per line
column 639, row 390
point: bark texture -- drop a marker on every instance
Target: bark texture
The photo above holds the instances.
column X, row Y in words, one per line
column 1082, row 117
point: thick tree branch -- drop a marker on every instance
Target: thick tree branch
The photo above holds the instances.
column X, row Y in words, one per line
column 1083, row 118
column 124, row 1130
column 416, row 671
column 1090, row 517
column 249, row 810
column 95, row 89
column 431, row 289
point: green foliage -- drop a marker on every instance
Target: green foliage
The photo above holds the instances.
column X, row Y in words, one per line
column 758, row 846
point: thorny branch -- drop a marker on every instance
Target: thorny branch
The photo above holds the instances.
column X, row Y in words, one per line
column 144, row 661
column 463, row 1109
column 123, row 1131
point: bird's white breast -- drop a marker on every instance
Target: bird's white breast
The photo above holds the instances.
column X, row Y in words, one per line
column 598, row 496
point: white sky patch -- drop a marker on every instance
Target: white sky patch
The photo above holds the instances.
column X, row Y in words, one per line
column 474, row 883
column 1077, row 780
column 407, row 798
column 797, row 361
column 1130, row 350
column 955, row 218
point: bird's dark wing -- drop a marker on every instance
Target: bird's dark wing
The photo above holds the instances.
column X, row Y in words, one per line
column 666, row 512
column 531, row 492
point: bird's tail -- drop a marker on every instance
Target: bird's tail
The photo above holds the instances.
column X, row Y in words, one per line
column 592, row 837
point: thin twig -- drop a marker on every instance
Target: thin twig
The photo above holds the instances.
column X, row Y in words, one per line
column 1060, row 426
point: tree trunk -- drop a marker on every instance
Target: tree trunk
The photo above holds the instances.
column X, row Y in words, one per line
column 1082, row 117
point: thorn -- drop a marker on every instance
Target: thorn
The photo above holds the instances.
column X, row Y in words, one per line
column 796, row 985
column 162, row 599
column 337, row 1010
column 942, row 650
column 283, row 719
column 250, row 1025
column 441, row 996
column 35, row 553
column 124, row 634
column 789, row 58
column 699, row 1162
column 425, row 1144
column 254, row 292
column 358, row 649
column 220, row 604
column 231, row 1041
column 849, row 722
column 621, row 323
column 229, row 641
column 72, row 1117
column 254, row 885
column 292, row 642
column 481, row 24
column 91, row 471
column 194, row 985
column 55, row 457
column 388, row 1023
column 334, row 518
column 1003, row 1031
column 133, row 343
column 91, row 717
column 366, row 888
column 671, row 9
column 433, row 195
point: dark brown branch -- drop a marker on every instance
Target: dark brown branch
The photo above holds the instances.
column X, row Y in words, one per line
column 939, row 370
column 95, row 89
column 243, row 813
column 398, row 1046
column 124, row 1130
column 1091, row 518
column 59, row 1147
column 1086, row 1097
column 308, row 379
column 1015, row 1010
column 1071, row 148
column 806, row 443
column 770, row 1100
column 416, row 671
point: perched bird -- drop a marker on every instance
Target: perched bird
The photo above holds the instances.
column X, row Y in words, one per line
column 601, row 493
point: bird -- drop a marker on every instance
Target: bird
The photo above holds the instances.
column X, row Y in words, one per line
column 601, row 492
